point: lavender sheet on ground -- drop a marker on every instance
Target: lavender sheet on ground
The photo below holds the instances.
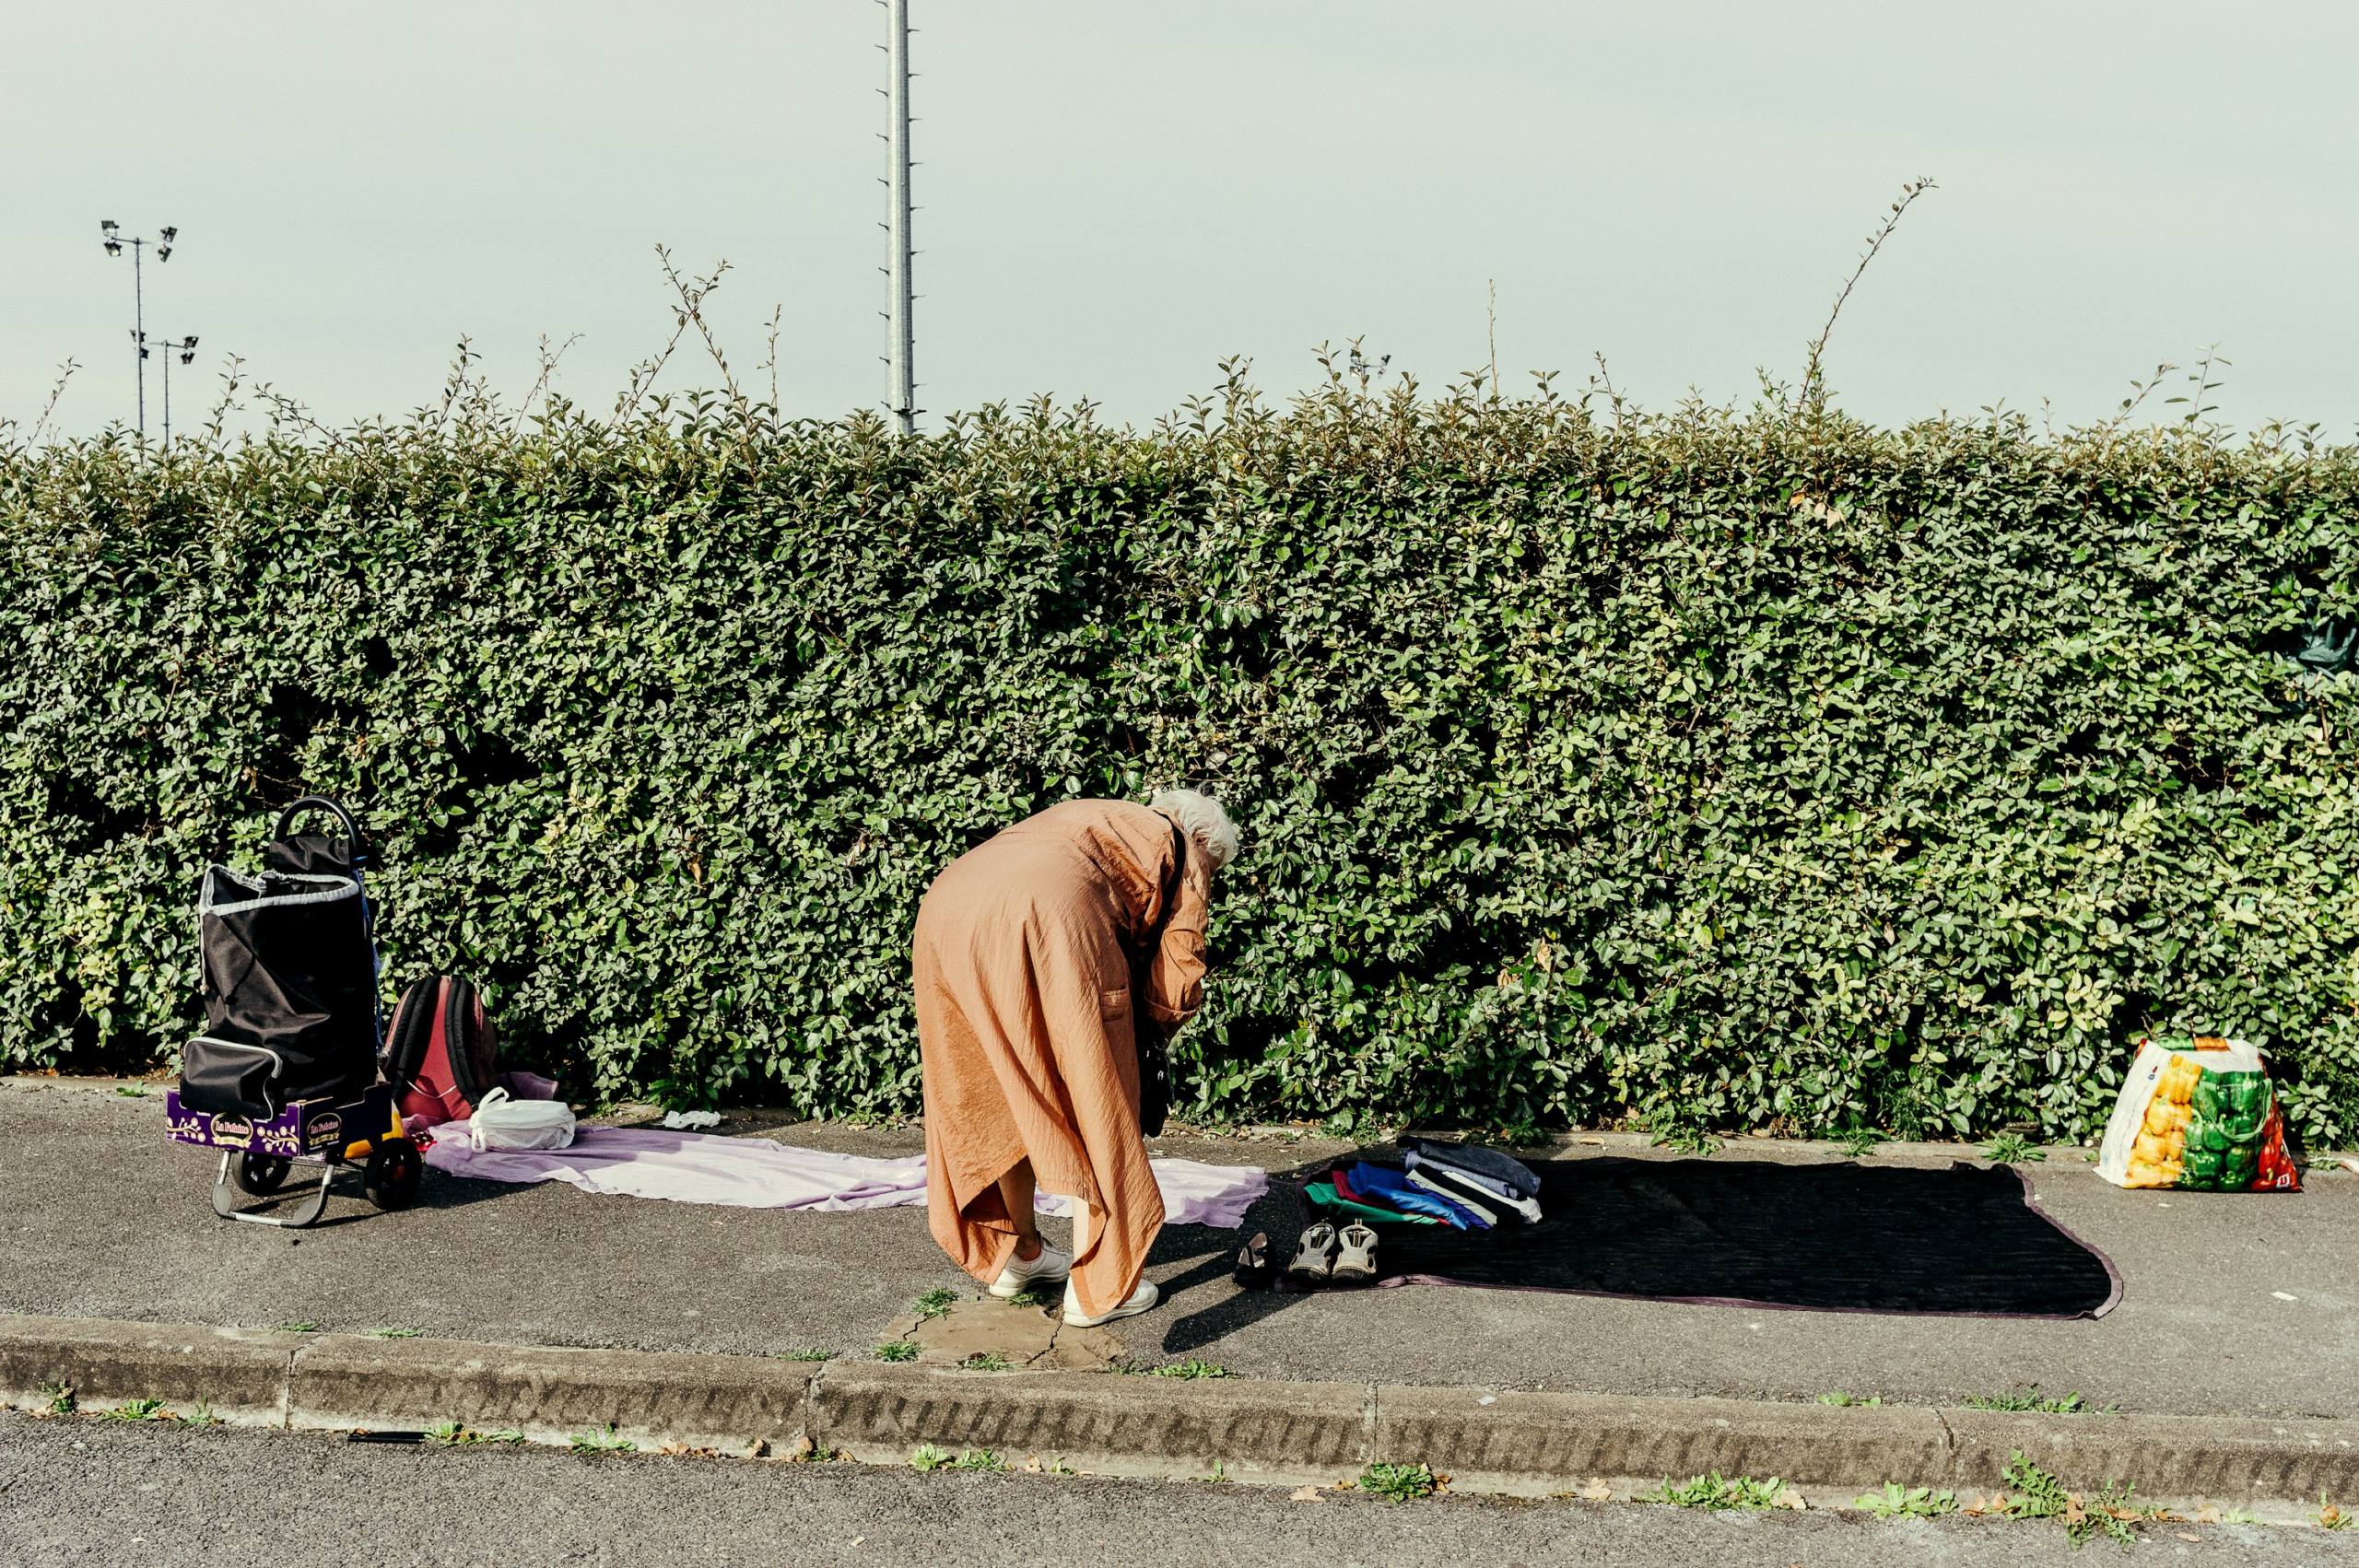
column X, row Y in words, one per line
column 760, row 1173
column 1966, row 1240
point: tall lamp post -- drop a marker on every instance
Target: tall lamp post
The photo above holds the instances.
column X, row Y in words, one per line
column 110, row 235
column 902, row 355
column 186, row 352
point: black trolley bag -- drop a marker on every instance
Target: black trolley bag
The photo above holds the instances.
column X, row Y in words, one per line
column 290, row 976
column 287, row 1067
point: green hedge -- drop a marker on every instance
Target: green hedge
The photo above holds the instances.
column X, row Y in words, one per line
column 1726, row 769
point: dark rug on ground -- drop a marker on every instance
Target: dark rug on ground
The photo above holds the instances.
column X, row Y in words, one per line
column 1838, row 1236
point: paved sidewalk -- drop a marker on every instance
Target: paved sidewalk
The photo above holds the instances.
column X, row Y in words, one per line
column 2239, row 1305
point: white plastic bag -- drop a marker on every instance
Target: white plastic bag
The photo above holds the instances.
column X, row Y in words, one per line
column 502, row 1121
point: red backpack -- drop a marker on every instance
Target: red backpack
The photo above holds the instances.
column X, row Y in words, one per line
column 442, row 1055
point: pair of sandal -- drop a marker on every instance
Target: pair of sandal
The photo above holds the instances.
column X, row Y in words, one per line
column 1324, row 1255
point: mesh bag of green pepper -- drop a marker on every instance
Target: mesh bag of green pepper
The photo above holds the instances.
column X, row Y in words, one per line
column 2198, row 1112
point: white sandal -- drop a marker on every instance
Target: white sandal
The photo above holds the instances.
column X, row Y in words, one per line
column 1355, row 1256
column 1314, row 1256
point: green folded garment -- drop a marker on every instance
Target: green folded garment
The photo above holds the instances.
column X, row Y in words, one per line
column 1323, row 1195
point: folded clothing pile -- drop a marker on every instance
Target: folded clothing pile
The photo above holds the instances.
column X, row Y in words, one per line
column 1463, row 1185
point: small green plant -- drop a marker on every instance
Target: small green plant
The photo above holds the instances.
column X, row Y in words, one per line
column 984, row 1360
column 979, row 1459
column 1668, row 1129
column 2240, row 1517
column 811, row 1354
column 1398, row 1483
column 204, row 1416
column 933, row 1304
column 1219, row 1471
column 926, row 1457
column 303, row 1328
column 1716, row 1493
column 897, row 1349
column 137, row 1409
column 2110, row 1515
column 1189, row 1369
column 395, row 1333
column 2032, row 1492
column 2030, row 1398
column 1897, row 1501
column 2035, row 1494
column 610, row 1441
column 61, row 1399
column 2330, row 1517
column 454, row 1434
column 1033, row 1296
column 1856, row 1141
column 132, row 1091
column 1840, row 1398
column 2012, row 1149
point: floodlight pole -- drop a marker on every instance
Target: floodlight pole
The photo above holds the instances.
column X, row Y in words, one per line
column 904, row 369
column 185, row 351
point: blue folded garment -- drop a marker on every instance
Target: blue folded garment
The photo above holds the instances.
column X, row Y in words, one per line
column 1384, row 1184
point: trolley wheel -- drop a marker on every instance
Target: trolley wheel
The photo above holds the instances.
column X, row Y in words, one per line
column 261, row 1173
column 394, row 1174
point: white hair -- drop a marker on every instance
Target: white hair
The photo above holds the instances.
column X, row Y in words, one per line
column 1202, row 818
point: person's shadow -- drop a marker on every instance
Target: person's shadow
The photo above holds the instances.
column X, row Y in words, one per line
column 1281, row 1212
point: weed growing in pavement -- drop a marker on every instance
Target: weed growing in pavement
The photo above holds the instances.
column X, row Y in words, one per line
column 1032, row 1295
column 2330, row 1517
column 2240, row 1517
column 2012, row 1149
column 979, row 1459
column 2035, row 1494
column 1856, row 1141
column 1668, row 1129
column 1398, row 1483
column 137, row 1409
column 812, row 1354
column 983, row 1361
column 1840, row 1398
column 933, row 1304
column 61, row 1399
column 607, row 1442
column 395, row 1333
column 1897, row 1501
column 2030, row 1398
column 2032, row 1492
column 305, row 1327
column 925, row 1457
column 897, row 1349
column 204, row 1416
column 1220, row 1471
column 455, row 1434
column 1715, row 1492
column 131, row 1091
column 1189, row 1369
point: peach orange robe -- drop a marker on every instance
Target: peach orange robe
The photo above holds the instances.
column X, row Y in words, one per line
column 1024, row 1025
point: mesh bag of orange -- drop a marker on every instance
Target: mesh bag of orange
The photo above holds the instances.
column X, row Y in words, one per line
column 2198, row 1112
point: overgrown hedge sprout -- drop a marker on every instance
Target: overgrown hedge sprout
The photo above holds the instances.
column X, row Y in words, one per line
column 1716, row 767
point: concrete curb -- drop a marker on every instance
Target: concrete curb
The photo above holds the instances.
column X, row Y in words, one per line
column 1254, row 1430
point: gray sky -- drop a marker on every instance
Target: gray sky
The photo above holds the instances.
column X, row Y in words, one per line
column 1115, row 194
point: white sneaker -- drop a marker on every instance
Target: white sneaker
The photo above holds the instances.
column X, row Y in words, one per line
column 1142, row 1299
column 1049, row 1268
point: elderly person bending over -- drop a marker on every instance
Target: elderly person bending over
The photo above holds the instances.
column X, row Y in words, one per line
column 1024, row 952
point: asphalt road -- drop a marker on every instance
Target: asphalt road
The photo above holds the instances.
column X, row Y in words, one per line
column 2239, row 1304
column 84, row 1491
